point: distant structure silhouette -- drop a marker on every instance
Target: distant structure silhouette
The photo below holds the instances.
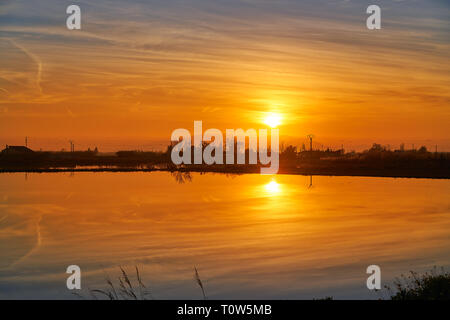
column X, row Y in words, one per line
column 72, row 146
column 16, row 150
column 310, row 137
column 310, row 182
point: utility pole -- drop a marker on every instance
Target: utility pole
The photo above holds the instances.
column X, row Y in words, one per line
column 26, row 141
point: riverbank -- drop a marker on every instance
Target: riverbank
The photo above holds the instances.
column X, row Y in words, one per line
column 376, row 162
column 309, row 171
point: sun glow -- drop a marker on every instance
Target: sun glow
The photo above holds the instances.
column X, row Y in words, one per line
column 272, row 187
column 273, row 120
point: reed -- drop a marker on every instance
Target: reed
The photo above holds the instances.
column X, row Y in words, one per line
column 199, row 282
column 129, row 288
column 123, row 289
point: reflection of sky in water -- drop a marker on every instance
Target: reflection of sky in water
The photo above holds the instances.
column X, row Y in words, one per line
column 250, row 236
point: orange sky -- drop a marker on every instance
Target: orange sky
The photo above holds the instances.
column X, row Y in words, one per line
column 136, row 72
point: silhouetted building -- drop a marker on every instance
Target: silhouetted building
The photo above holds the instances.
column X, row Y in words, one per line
column 16, row 150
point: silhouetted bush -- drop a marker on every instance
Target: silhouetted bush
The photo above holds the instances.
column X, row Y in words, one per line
column 433, row 285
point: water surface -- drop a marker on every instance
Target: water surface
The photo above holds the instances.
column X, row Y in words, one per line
column 250, row 236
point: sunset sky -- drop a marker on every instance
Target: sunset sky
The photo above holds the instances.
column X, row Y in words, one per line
column 139, row 69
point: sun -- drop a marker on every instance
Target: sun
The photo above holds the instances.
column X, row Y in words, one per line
column 273, row 120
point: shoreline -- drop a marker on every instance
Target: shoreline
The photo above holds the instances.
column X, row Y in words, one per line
column 380, row 173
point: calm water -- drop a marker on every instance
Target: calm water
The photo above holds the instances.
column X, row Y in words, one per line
column 250, row 236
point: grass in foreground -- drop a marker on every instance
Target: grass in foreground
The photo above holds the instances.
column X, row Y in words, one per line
column 126, row 289
column 432, row 285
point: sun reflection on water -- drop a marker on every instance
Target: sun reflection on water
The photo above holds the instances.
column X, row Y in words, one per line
column 273, row 188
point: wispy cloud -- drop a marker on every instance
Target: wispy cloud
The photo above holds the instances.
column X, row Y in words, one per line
column 35, row 59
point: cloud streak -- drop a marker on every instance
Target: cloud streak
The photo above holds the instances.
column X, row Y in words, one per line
column 35, row 59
